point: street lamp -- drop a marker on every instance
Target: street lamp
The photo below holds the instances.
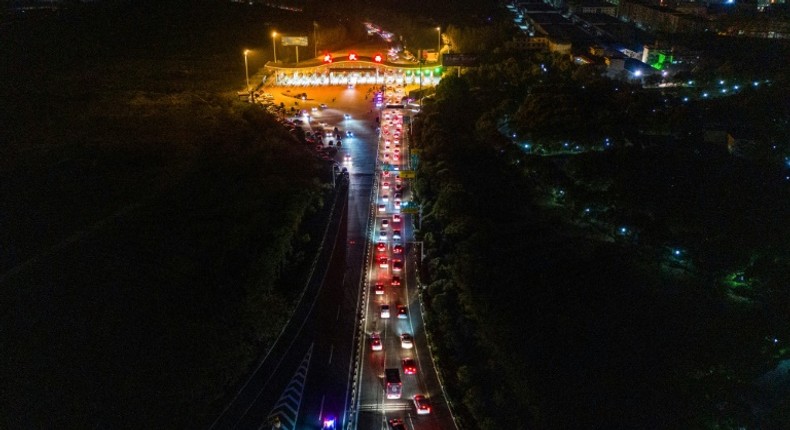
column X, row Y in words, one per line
column 274, row 47
column 439, row 31
column 247, row 69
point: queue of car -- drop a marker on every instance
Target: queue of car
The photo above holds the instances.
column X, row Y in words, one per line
column 389, row 256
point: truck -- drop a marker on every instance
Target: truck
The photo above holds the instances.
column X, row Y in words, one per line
column 393, row 385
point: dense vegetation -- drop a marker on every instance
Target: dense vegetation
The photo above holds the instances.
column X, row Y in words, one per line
column 620, row 286
column 153, row 228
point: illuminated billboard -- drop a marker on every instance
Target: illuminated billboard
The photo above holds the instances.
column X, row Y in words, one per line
column 294, row 40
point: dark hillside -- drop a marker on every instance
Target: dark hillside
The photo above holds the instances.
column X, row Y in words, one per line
column 148, row 220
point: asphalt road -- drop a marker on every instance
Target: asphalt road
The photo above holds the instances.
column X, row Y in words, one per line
column 310, row 373
column 306, row 377
column 372, row 409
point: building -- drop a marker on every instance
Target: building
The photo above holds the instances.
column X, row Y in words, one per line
column 592, row 6
column 662, row 18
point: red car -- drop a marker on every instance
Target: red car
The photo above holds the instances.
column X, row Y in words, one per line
column 381, row 247
column 396, row 280
column 397, row 249
column 379, row 288
column 409, row 366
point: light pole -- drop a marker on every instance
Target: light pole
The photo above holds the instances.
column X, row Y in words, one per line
column 315, row 39
column 439, row 45
column 247, row 69
column 274, row 47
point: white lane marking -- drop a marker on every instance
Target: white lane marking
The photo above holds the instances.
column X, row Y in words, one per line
column 338, row 313
column 331, row 351
column 321, row 411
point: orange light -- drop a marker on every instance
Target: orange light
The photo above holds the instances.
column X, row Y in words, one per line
column 352, row 56
column 377, row 58
column 327, row 58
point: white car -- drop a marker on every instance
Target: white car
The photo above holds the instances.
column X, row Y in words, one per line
column 385, row 311
column 396, row 235
column 375, row 342
column 383, row 235
column 422, row 405
column 382, row 208
column 385, row 198
column 385, row 186
column 385, row 223
column 406, row 341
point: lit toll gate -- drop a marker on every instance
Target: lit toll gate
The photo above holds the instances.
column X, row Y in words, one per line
column 353, row 70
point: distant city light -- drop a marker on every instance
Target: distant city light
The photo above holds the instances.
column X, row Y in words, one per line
column 704, row 94
column 736, row 87
column 721, row 82
column 685, row 99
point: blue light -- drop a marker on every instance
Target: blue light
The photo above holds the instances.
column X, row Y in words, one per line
column 587, row 210
column 724, row 90
column 721, row 82
column 704, row 94
column 677, row 252
column 685, row 99
column 565, row 144
column 736, row 87
column 756, row 84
